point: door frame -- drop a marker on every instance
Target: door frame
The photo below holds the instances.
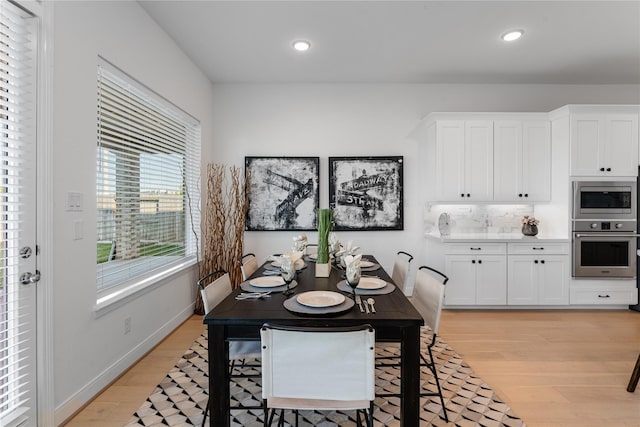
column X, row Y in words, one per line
column 45, row 406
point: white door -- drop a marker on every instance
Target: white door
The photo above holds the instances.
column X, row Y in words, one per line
column 478, row 152
column 491, row 280
column 621, row 147
column 18, row 269
column 450, row 160
column 536, row 161
column 507, row 161
column 554, row 280
column 523, row 280
column 461, row 287
column 587, row 134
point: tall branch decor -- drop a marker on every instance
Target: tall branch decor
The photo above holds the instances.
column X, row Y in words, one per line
column 223, row 223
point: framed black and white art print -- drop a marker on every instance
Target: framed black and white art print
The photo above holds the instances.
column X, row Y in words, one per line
column 282, row 193
column 365, row 193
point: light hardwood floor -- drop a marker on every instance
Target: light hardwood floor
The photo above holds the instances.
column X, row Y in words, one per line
column 555, row 368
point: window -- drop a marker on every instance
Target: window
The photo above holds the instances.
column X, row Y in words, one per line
column 147, row 171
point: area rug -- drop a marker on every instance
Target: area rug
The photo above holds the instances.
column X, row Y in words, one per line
column 180, row 399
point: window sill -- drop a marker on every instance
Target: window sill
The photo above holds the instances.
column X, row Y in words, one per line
column 119, row 296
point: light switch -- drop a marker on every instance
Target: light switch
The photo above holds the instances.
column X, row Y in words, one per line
column 78, row 232
column 74, row 202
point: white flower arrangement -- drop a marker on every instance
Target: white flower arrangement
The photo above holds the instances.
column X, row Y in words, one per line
column 530, row 220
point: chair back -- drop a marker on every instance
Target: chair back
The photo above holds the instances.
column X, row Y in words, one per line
column 318, row 363
column 248, row 265
column 428, row 295
column 400, row 270
column 215, row 291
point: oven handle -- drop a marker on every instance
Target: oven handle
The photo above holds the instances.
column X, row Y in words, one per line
column 578, row 235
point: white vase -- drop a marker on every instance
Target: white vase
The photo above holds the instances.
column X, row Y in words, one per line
column 323, row 270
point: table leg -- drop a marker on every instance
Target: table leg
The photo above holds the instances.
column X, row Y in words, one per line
column 218, row 378
column 635, row 375
column 410, row 377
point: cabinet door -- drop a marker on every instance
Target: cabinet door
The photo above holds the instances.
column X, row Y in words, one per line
column 478, row 152
column 553, row 280
column 587, row 132
column 450, row 160
column 507, row 161
column 523, row 280
column 491, row 280
column 620, row 150
column 536, row 161
column 461, row 287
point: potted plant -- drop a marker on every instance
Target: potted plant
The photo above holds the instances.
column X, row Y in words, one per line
column 325, row 223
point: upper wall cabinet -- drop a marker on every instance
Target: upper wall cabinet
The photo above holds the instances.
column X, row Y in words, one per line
column 522, row 161
column 464, row 160
column 487, row 157
column 604, row 145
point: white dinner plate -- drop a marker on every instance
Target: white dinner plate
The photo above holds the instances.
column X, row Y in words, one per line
column 267, row 281
column 371, row 283
column 313, row 256
column 320, row 298
column 366, row 264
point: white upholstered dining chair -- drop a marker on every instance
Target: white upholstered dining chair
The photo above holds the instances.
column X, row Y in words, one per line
column 400, row 272
column 248, row 265
column 323, row 368
column 213, row 291
column 428, row 299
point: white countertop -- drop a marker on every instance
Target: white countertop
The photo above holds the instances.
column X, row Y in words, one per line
column 495, row 237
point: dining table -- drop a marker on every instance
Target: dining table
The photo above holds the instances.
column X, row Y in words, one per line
column 395, row 319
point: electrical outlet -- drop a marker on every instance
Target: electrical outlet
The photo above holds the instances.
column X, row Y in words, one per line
column 127, row 325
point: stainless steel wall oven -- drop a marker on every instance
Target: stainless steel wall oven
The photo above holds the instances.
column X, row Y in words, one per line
column 604, row 249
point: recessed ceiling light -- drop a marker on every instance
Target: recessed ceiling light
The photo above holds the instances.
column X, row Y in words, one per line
column 512, row 35
column 301, row 45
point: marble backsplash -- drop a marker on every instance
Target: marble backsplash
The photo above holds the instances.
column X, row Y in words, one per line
column 478, row 218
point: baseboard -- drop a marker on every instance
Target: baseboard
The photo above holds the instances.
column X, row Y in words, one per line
column 83, row 396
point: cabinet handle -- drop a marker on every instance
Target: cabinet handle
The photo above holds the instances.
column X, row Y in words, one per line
column 535, row 261
column 608, row 169
column 526, row 194
column 475, row 249
column 461, row 194
column 604, row 296
column 520, row 195
column 601, row 169
column 538, row 249
column 479, row 261
column 541, row 261
column 473, row 261
column 468, row 195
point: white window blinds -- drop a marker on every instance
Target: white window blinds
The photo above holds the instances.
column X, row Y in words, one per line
column 18, row 38
column 148, row 166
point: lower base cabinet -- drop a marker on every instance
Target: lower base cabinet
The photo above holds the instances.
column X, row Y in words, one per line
column 495, row 274
column 538, row 280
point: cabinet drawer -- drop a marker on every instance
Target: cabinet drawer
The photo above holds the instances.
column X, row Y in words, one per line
column 603, row 296
column 538, row 249
column 475, row 248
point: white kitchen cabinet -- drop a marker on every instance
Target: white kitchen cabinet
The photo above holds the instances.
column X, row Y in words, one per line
column 522, row 161
column 538, row 274
column 604, row 145
column 477, row 274
column 464, row 160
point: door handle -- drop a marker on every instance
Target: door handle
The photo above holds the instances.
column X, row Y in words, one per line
column 28, row 277
column 614, row 235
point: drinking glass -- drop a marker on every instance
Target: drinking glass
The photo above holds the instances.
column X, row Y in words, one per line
column 353, row 276
column 288, row 273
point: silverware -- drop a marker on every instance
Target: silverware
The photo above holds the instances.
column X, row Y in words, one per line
column 371, row 302
column 359, row 302
column 253, row 295
column 366, row 307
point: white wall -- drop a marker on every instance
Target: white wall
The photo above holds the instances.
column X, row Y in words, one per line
column 91, row 351
column 359, row 120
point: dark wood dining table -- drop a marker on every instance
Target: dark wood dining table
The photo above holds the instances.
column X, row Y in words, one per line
column 395, row 320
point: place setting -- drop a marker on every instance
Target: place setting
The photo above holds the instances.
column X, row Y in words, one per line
column 263, row 286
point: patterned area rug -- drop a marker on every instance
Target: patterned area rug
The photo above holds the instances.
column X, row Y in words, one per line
column 180, row 399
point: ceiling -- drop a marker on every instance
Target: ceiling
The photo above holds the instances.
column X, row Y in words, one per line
column 565, row 42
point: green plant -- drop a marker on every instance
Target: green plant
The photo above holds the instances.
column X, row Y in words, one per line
column 325, row 223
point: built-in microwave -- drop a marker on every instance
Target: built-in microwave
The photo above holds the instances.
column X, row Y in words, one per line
column 604, row 200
